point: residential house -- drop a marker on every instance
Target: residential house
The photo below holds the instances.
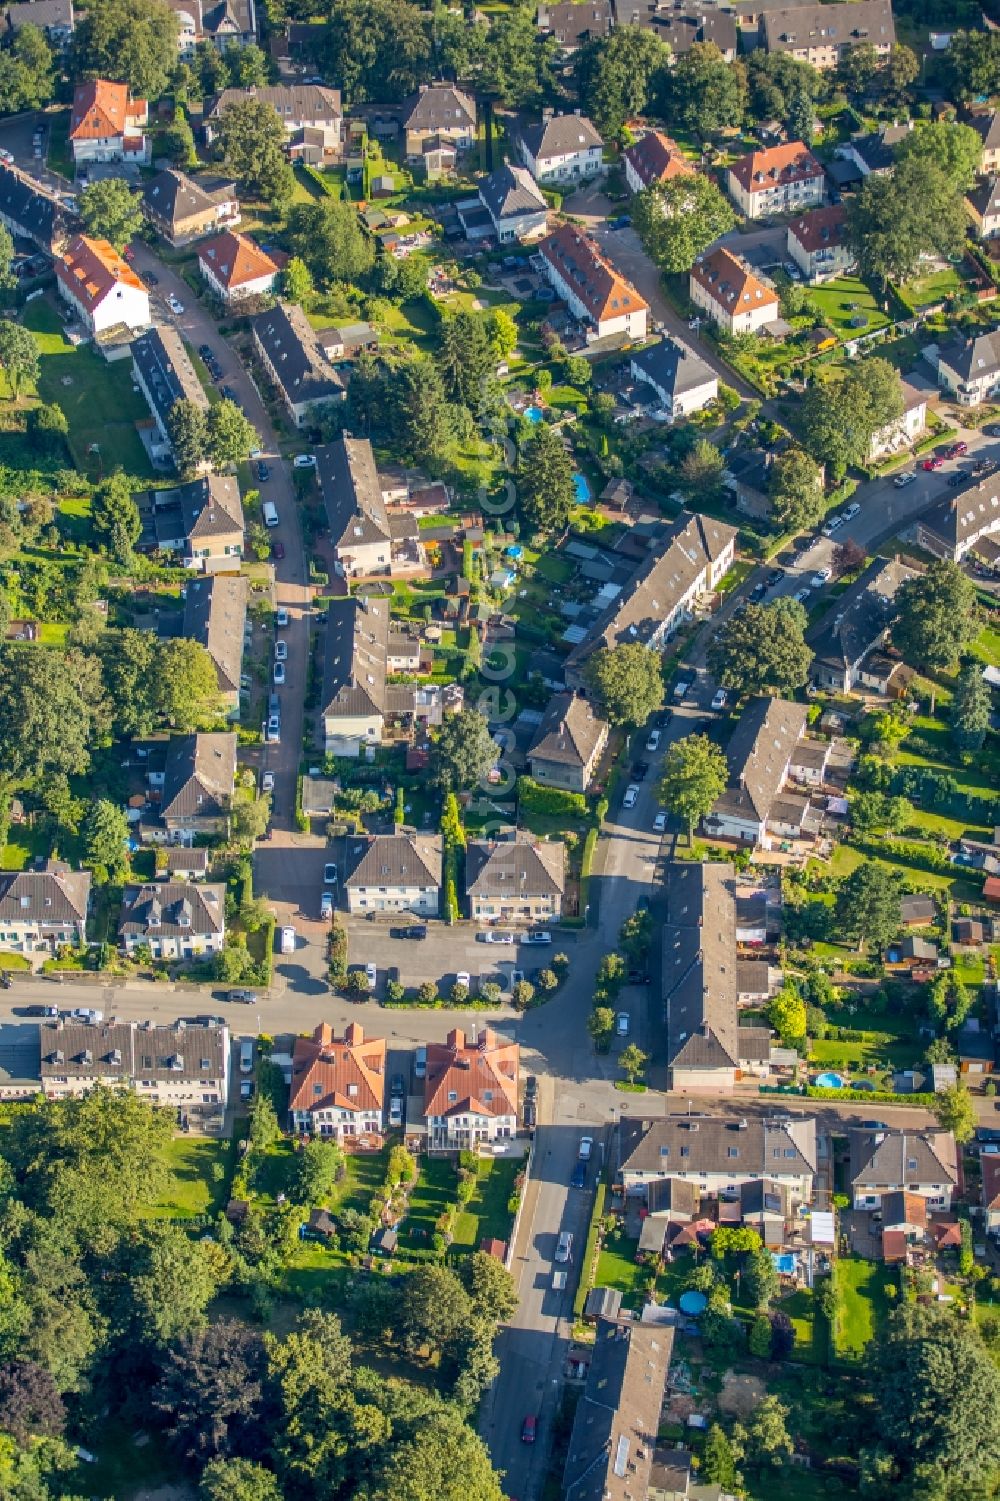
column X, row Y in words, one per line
column 42, row 909
column 969, row 369
column 987, row 124
column 224, row 23
column 310, row 113
column 989, row 1163
column 439, row 116
column 236, row 268
column 349, row 340
column 561, row 148
column 718, row 1153
column 509, row 207
column 356, row 513
column 357, row 699
column 707, row 1049
column 654, row 158
column 162, row 369
column 294, row 359
column 817, row 244
column 182, row 1066
column 731, row 294
column 904, row 430
column 101, row 287
column 173, row 919
column 201, row 520
column 398, row 872
column 30, row 211
column 106, row 124
column 885, row 1161
column 874, row 152
column 781, row 179
column 918, row 911
column 756, row 806
column 54, row 17
column 689, row 560
column 215, row 610
column 983, row 205
column 183, row 864
column 682, row 380
column 960, row 521
column 197, row 786
column 518, row 880
column 617, row 1419
column 681, row 23
column 183, row 209
column 855, row 626
column 567, row 746
column 976, row 1052
column 338, row 1083
column 822, row 35
column 573, row 23
column 596, row 294
column 470, row 1091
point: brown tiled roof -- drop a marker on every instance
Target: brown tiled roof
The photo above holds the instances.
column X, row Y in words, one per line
column 904, row 1208
column 299, row 102
column 521, row 867
column 603, row 291
column 480, row 1072
column 893, row 1245
column 199, row 775
column 760, row 170
column 234, row 259
column 656, row 158
column 731, row 284
column 569, row 731
column 214, row 615
column 774, row 1146
column 796, row 27
column 989, row 1162
column 758, row 753
column 172, row 909
column 100, row 110
column 699, row 965
column 90, row 269
column 395, row 860
column 51, row 895
column 610, row 1454
column 821, row 228
column 886, row 1157
column 133, row 1050
column 346, row 1073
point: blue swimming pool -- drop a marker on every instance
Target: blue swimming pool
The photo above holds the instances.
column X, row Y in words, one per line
column 831, row 1081
column 533, row 414
column 582, row 487
column 784, row 1262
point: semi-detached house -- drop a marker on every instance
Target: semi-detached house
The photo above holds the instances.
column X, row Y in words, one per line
column 969, row 369
column 470, row 1091
column 595, row 293
column 780, row 180
column 561, row 148
column 300, row 107
column 42, row 909
column 719, row 1153
column 296, row 362
column 164, row 373
column 654, row 158
column 215, row 611
column 338, row 1083
column 30, row 211
column 106, row 124
column 573, row 23
column 519, row 880
column 173, row 919
column 195, row 787
column 756, row 806
column 509, row 206
column 567, row 746
column 358, row 703
column 182, row 1066
column 398, row 872
column 885, row 1161
column 681, row 379
column 817, row 244
column 356, row 512
column 983, row 205
column 957, row 524
column 822, row 35
column 856, row 626
column 182, row 209
column 202, row 521
column 235, row 268
column 440, row 115
column 729, row 292
column 101, row 287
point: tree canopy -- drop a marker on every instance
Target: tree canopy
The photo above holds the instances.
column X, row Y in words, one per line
column 111, row 211
column 464, row 750
column 329, row 239
column 868, row 906
column 838, row 422
column 938, row 616
column 679, row 218
column 897, row 216
column 694, row 778
column 970, row 709
column 704, row 93
column 616, row 76
column 252, row 138
column 546, row 489
column 955, row 148
column 627, row 682
column 795, row 485
column 762, row 649
column 134, row 41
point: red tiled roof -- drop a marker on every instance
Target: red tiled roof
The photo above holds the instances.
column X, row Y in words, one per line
column 577, row 259
column 821, row 228
column 656, row 158
column 894, row 1245
column 101, row 109
column 346, row 1072
column 991, row 888
column 92, row 268
column 946, row 1233
column 234, row 259
column 470, row 1071
column 731, row 284
column 990, row 1165
column 761, row 170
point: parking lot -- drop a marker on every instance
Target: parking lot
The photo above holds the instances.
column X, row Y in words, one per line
column 445, row 953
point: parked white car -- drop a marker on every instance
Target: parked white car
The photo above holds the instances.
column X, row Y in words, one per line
column 631, row 796
column 281, row 651
column 288, row 940
column 86, row 1014
column 660, row 822
column 304, row 461
column 176, row 306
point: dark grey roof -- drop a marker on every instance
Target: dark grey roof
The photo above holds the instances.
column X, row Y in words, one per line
column 898, row 1158
column 47, row 15
column 133, row 1050
column 677, row 1197
column 357, row 644
column 214, row 615
column 512, row 868
column 681, row 25
column 172, row 909
column 440, row 107
column 859, row 619
column 173, row 196
column 753, row 977
column 988, row 126
column 918, row 909
column 985, row 197
column 699, row 965
column 352, row 493
column 673, row 367
column 569, row 731
column 166, row 370
column 758, row 754
column 848, row 24
column 975, row 358
column 509, row 192
column 610, row 1452
column 20, row 1057
column 560, row 135
column 29, row 211
column 603, row 1302
column 394, row 860
column 573, row 23
column 208, row 507
column 230, row 18
column 55, row 894
column 182, row 859
column 878, row 148
column 79, row 1050
column 199, row 775
column 298, row 103
column 779, row 1146
column 296, row 355
column 962, row 514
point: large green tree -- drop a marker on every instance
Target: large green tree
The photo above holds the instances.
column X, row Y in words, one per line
column 868, row 906
column 795, row 485
column 839, row 421
column 111, row 211
column 445, row 1460
column 937, row 616
column 898, row 216
column 466, row 358
column 375, row 49
column 187, row 686
column 762, row 649
column 329, row 237
column 937, row 1408
column 238, row 1480
column 463, row 750
column 970, row 709
column 212, row 1391
column 678, row 219
column 18, row 355
column 775, row 81
column 955, row 1111
column 545, row 486
column 703, row 92
column 230, row 436
column 421, row 419
column 972, row 64
column 252, row 137
column 187, row 426
column 54, row 711
column 105, row 835
column 616, row 76
column 134, row 41
column 627, row 681
column 27, row 74
column 694, row 778
column 115, row 518
column 956, row 149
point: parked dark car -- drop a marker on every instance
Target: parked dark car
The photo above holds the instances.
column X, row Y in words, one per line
column 277, row 550
column 639, row 769
column 37, row 1010
column 530, row 1087
column 243, row 997
column 415, row 930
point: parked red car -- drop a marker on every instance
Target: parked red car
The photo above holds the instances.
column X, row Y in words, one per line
column 956, row 450
column 277, row 550
column 934, row 462
column 528, row 1429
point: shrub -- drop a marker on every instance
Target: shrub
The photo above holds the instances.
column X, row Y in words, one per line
column 551, row 802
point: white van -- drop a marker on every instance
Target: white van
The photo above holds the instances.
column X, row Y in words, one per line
column 246, row 1056
column 270, row 511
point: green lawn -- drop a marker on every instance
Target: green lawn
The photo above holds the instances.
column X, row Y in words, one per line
column 810, row 1331
column 846, row 298
column 97, row 398
column 486, row 1216
column 617, row 1267
column 923, row 291
column 863, row 1302
column 433, row 1194
column 191, row 1188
